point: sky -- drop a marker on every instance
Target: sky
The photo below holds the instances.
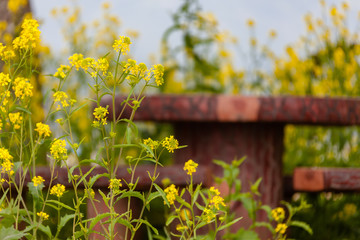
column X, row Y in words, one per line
column 152, row 17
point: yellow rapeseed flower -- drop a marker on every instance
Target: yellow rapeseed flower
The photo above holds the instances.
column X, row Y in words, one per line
column 22, row 88
column 58, row 149
column 37, row 180
column 5, row 155
column 57, row 190
column 153, row 144
column 62, row 71
column 122, row 45
column 281, row 228
column 216, row 201
column 115, row 184
column 76, row 60
column 15, row 119
column 29, row 36
column 7, row 167
column 190, row 167
column 43, row 129
column 100, row 114
column 4, row 79
column 43, row 215
column 158, row 71
column 170, row 143
column 278, row 214
column 171, row 193
column 250, row 23
column 14, row 5
column 214, row 191
column 61, row 97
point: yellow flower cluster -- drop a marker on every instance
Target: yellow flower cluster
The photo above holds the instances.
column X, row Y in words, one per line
column 158, row 71
column 100, row 114
column 281, row 228
column 62, row 71
column 61, row 97
column 43, row 129
column 22, row 88
column 37, row 180
column 76, row 60
column 43, row 215
column 14, row 5
column 4, row 79
column 58, row 149
column 89, row 65
column 115, row 184
column 57, row 190
column 29, row 36
column 170, row 143
column 153, row 144
column 122, row 45
column 5, row 155
column 171, row 193
column 136, row 72
column 278, row 214
column 6, row 165
column 15, row 119
column 190, row 167
column 213, row 207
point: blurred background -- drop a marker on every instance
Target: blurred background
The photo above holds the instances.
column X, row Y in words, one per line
column 304, row 48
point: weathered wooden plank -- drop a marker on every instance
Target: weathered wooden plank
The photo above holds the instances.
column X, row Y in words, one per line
column 326, row 179
column 222, row 108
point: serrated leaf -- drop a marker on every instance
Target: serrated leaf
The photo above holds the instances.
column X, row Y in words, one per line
column 64, row 220
column 46, row 230
column 131, row 193
column 153, row 196
column 98, row 218
column 96, row 177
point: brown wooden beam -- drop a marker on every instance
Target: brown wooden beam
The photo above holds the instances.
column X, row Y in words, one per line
column 326, row 179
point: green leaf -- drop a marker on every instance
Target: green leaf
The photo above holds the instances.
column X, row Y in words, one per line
column 246, row 234
column 147, row 224
column 162, row 193
column 46, row 230
column 71, row 170
column 105, row 198
column 84, row 176
column 98, row 218
column 255, row 187
column 170, row 220
column 35, row 191
column 153, row 196
column 56, row 202
column 132, row 193
column 264, row 224
column 229, row 224
column 23, row 109
column 302, row 225
column 96, row 177
column 10, row 233
column 64, row 220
